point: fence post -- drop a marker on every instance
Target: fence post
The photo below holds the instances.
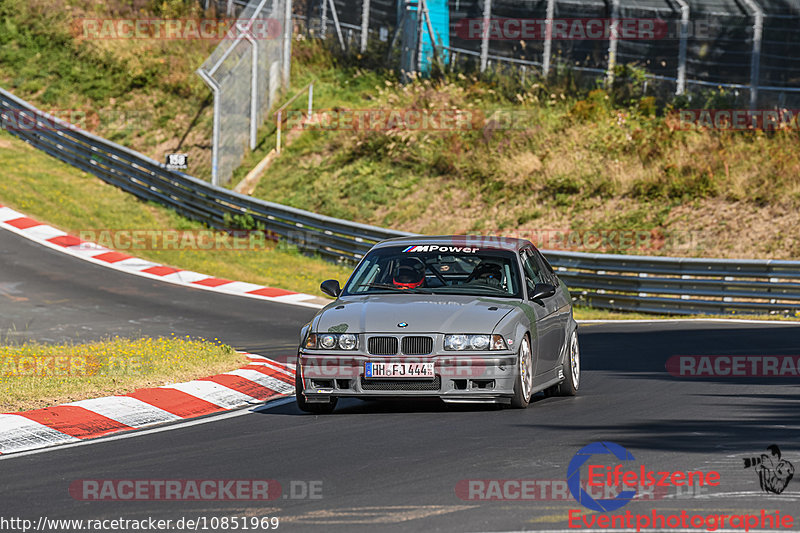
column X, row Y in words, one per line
column 253, row 87
column 336, row 24
column 364, row 25
column 548, row 37
column 612, row 42
column 278, row 131
column 215, row 129
column 323, row 19
column 487, row 15
column 755, row 61
column 420, row 35
column 287, row 42
column 681, row 82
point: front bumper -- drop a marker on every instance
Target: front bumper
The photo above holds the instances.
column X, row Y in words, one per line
column 471, row 377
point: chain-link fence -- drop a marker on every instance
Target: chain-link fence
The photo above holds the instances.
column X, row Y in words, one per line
column 246, row 72
column 750, row 48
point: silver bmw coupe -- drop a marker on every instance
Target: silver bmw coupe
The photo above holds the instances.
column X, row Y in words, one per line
column 461, row 318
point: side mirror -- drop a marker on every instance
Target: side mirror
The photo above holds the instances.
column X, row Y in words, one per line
column 541, row 290
column 331, row 288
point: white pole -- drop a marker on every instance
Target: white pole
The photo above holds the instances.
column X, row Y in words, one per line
column 755, row 62
column 278, row 138
column 310, row 99
column 420, row 35
column 288, row 30
column 612, row 42
column 548, row 37
column 253, row 87
column 215, row 131
column 364, row 24
column 681, row 85
column 323, row 22
column 487, row 14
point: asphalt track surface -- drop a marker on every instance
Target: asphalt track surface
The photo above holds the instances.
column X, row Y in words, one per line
column 389, row 466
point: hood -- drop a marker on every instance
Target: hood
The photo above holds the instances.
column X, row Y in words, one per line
column 423, row 314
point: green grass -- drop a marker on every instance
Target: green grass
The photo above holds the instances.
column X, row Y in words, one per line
column 35, row 375
column 58, row 194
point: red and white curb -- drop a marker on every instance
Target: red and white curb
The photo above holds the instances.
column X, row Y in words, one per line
column 94, row 253
column 260, row 380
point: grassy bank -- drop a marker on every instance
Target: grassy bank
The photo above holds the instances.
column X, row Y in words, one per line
column 36, row 375
column 547, row 158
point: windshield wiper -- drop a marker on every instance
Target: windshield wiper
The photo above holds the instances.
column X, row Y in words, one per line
column 393, row 288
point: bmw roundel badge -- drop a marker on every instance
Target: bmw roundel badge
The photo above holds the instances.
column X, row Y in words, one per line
column 402, row 324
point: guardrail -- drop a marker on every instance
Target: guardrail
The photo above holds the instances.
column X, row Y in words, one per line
column 630, row 283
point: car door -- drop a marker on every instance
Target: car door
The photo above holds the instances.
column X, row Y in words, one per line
column 560, row 301
column 547, row 341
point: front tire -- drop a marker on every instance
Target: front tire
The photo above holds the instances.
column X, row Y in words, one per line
column 523, row 384
column 309, row 407
column 572, row 369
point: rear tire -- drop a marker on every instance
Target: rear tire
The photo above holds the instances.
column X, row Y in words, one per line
column 309, row 407
column 523, row 383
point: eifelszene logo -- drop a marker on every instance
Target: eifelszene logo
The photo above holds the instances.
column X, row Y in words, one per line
column 774, row 473
column 617, row 477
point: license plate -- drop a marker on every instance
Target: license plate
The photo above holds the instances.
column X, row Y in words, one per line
column 398, row 370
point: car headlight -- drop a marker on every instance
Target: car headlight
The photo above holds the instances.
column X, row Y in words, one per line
column 347, row 341
column 460, row 342
column 332, row 341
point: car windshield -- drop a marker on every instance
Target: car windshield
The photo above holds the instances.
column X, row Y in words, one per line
column 432, row 269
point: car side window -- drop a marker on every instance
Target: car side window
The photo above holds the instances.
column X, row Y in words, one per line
column 547, row 270
column 532, row 270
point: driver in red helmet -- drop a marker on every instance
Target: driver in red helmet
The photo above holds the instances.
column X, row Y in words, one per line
column 409, row 273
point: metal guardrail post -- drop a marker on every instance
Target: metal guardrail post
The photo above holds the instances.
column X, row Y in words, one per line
column 755, row 61
column 684, row 37
column 548, row 37
column 487, row 15
column 612, row 42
